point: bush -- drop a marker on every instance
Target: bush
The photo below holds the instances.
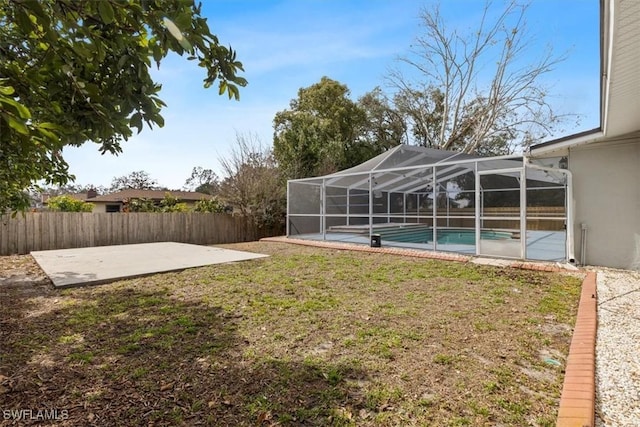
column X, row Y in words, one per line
column 66, row 203
column 172, row 204
column 209, row 205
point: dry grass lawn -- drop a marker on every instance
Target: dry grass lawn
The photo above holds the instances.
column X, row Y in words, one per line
column 305, row 337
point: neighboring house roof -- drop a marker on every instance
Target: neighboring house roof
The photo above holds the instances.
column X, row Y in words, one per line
column 620, row 79
column 119, row 196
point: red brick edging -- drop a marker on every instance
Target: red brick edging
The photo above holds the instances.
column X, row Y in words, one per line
column 577, row 402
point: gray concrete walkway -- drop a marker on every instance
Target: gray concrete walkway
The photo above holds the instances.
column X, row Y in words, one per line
column 102, row 264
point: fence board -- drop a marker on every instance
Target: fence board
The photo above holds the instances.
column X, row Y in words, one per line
column 61, row 230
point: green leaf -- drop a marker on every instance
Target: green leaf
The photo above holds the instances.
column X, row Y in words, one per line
column 20, row 109
column 157, row 54
column 48, row 134
column 184, row 19
column 136, row 121
column 106, row 11
column 23, row 20
column 240, row 81
column 223, row 87
column 89, row 83
column 234, row 92
column 17, row 125
column 122, row 60
column 42, row 16
column 50, row 126
column 6, row 90
column 185, row 44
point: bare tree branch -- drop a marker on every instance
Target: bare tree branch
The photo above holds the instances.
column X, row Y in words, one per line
column 489, row 81
column 253, row 185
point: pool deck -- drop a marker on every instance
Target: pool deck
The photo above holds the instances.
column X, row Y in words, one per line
column 541, row 245
column 427, row 254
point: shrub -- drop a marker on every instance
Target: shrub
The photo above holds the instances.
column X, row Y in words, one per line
column 66, row 203
column 209, row 205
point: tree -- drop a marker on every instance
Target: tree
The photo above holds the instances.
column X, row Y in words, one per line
column 67, row 203
column 448, row 106
column 171, row 204
column 209, row 205
column 385, row 127
column 140, row 205
column 253, row 185
column 203, row 181
column 72, row 189
column 321, row 132
column 139, row 180
column 422, row 112
column 77, row 71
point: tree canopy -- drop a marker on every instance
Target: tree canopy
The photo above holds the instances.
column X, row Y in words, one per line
column 76, row 71
column 138, row 180
column 203, row 181
column 385, row 126
column 322, row 131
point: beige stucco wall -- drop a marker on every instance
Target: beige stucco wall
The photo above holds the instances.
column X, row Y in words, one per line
column 99, row 208
column 606, row 188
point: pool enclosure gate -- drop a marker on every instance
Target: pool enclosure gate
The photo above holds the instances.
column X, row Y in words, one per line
column 422, row 198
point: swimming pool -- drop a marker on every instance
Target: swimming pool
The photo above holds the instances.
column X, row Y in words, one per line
column 468, row 237
column 446, row 236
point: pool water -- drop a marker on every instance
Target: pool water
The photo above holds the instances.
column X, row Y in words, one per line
column 445, row 235
column 468, row 237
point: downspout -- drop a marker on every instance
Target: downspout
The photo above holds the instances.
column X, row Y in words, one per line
column 583, row 244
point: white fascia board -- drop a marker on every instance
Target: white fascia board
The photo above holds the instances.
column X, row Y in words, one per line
column 568, row 143
column 608, row 33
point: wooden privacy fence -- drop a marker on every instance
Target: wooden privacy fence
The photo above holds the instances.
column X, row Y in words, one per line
column 548, row 218
column 35, row 231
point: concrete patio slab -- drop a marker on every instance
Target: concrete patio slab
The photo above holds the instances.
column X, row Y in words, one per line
column 103, row 264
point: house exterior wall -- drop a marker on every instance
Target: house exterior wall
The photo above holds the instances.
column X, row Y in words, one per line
column 99, row 207
column 606, row 188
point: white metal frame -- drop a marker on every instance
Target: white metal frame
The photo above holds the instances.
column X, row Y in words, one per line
column 441, row 171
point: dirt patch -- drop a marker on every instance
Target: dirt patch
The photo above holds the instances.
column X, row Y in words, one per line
column 305, row 337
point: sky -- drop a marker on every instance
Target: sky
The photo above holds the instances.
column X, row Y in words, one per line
column 291, row 44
